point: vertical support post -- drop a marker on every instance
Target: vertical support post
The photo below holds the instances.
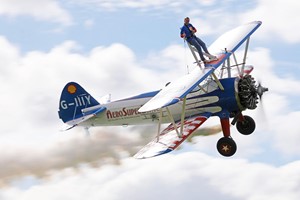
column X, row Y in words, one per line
column 222, row 70
column 228, row 67
column 236, row 64
column 225, row 126
column 182, row 115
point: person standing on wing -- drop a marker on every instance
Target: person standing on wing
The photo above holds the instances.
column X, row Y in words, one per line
column 188, row 32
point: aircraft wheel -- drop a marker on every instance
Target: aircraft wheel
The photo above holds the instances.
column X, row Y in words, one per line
column 247, row 126
column 226, row 146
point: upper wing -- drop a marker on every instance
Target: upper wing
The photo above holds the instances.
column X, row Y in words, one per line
column 168, row 139
column 222, row 47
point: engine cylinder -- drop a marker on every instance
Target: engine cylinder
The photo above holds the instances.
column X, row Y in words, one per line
column 247, row 92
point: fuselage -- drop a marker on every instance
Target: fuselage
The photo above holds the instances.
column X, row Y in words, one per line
column 207, row 98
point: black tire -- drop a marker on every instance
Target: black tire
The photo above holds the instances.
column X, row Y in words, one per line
column 247, row 126
column 226, row 146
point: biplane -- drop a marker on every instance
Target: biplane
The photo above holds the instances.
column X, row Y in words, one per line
column 210, row 89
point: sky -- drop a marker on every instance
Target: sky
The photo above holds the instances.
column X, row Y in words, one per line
column 128, row 47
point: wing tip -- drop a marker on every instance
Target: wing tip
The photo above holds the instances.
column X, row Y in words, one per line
column 145, row 156
column 143, row 109
column 255, row 22
column 146, row 108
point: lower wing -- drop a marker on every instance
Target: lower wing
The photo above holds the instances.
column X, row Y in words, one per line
column 168, row 139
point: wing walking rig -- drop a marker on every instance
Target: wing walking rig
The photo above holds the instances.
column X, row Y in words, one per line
column 211, row 89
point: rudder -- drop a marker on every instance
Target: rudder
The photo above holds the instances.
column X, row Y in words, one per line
column 72, row 100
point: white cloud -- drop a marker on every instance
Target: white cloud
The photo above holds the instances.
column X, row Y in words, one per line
column 134, row 4
column 179, row 6
column 265, row 71
column 41, row 10
column 280, row 18
column 8, row 54
column 32, row 94
column 287, row 133
column 187, row 175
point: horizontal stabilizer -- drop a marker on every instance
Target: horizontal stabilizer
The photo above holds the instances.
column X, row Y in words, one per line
column 86, row 116
column 94, row 112
column 168, row 139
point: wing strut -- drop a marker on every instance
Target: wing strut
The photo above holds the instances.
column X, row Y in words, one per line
column 217, row 81
column 228, row 66
column 179, row 133
column 173, row 123
column 202, row 88
column 159, row 123
column 222, row 69
column 245, row 55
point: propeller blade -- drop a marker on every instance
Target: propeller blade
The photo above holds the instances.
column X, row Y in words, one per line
column 260, row 91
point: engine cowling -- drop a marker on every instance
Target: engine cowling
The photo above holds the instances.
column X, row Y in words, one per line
column 248, row 92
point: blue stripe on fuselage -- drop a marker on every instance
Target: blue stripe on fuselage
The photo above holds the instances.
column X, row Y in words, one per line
column 227, row 100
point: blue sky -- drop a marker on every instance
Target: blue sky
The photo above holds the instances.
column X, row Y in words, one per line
column 127, row 47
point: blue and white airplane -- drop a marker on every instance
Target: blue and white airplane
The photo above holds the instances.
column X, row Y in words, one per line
column 210, row 89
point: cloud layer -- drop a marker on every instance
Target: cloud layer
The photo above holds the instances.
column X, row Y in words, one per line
column 186, row 175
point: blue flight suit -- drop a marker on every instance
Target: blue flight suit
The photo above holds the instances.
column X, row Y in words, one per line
column 193, row 39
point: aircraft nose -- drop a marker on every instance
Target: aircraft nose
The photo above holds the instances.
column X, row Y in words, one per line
column 261, row 90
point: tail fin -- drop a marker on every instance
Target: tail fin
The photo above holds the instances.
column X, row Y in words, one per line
column 72, row 100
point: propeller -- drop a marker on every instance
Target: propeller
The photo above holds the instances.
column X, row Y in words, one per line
column 261, row 90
